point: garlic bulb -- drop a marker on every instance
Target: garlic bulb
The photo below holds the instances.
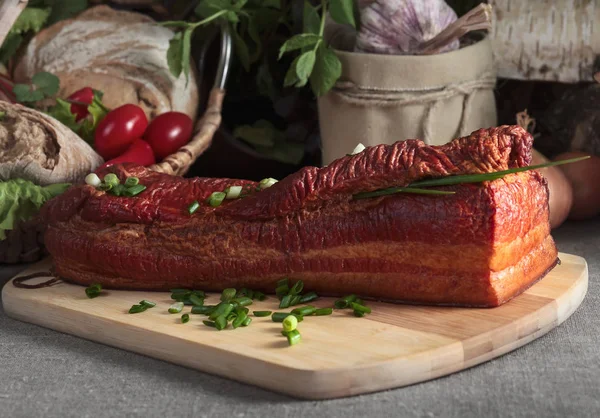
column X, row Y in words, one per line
column 400, row 27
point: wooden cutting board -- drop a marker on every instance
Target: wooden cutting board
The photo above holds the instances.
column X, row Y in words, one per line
column 339, row 355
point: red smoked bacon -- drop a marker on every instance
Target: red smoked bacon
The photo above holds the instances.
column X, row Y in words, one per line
column 479, row 247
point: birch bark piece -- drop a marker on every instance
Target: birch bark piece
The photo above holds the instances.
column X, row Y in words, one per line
column 38, row 148
column 9, row 12
column 547, row 40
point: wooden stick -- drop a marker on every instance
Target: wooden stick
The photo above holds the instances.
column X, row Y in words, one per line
column 479, row 18
column 179, row 163
column 9, row 12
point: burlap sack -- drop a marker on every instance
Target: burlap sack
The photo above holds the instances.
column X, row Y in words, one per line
column 384, row 99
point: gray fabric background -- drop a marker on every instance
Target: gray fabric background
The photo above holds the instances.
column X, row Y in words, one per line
column 44, row 373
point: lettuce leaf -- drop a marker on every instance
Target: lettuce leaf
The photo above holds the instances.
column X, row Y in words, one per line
column 21, row 199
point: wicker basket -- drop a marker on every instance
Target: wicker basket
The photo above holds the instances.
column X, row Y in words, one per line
column 25, row 243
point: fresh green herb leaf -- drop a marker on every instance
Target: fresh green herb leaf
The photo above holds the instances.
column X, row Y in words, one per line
column 10, row 46
column 304, row 67
column 285, row 151
column 342, row 11
column 25, row 94
column 291, row 77
column 46, row 82
column 65, row 9
column 242, row 50
column 97, row 111
column 262, row 133
column 311, row 20
column 327, row 71
column 186, row 52
column 61, row 111
column 175, row 55
column 31, row 19
column 298, row 42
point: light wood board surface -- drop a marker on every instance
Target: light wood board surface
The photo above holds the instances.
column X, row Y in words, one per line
column 339, row 355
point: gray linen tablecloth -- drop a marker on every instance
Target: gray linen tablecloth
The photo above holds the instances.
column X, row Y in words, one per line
column 48, row 374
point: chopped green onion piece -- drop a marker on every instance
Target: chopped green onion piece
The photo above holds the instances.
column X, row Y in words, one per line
column 193, row 207
column 209, row 324
column 243, row 301
column 104, row 187
column 216, row 198
column 228, row 294
column 134, row 191
column 177, row 307
column 92, row 179
column 305, row 310
column 297, row 288
column 196, row 300
column 358, row 314
column 395, row 190
column 118, row 190
column 285, row 302
column 131, row 181
column 222, row 308
column 185, row 291
column 185, row 318
column 246, row 322
column 295, row 300
column 221, row 322
column 137, row 309
column 358, row 149
column 279, row 316
column 266, row 183
column 111, row 179
column 231, row 316
column 293, row 337
column 282, row 290
column 239, row 320
column 309, row 297
column 360, row 308
column 261, row 314
column 93, row 291
column 260, row 296
column 344, row 302
column 239, row 309
column 147, row 303
column 284, row 281
column 290, row 323
column 359, row 301
column 233, row 192
column 324, row 311
column 203, row 310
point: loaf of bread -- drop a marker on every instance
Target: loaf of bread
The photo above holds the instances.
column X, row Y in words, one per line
column 123, row 54
column 38, row 148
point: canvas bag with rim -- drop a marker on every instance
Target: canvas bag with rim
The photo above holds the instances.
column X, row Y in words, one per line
column 386, row 98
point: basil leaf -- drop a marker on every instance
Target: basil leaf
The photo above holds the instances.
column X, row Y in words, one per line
column 304, row 67
column 311, row 19
column 175, row 55
column 327, row 71
column 298, row 42
column 342, row 11
column 46, row 83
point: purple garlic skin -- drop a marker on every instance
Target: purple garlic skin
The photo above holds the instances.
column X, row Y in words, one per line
column 400, row 27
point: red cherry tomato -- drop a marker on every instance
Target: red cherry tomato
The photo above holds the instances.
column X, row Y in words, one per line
column 139, row 152
column 168, row 132
column 83, row 97
column 119, row 128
